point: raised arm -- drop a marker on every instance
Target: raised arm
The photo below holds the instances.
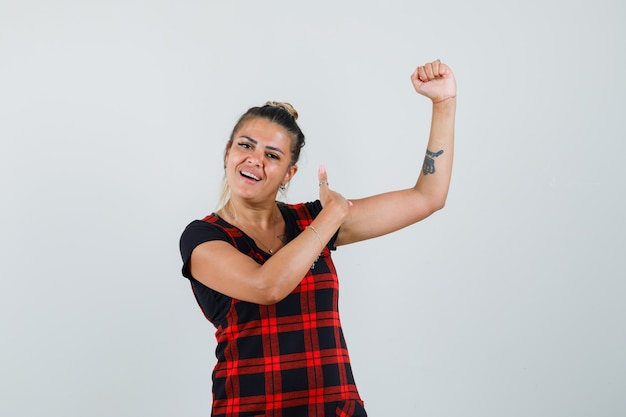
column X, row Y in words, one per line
column 385, row 213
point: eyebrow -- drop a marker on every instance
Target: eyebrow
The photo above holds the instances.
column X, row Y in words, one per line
column 273, row 148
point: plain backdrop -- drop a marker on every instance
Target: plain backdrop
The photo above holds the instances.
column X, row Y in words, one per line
column 113, row 120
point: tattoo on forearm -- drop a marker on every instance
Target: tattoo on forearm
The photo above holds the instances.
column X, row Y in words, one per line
column 429, row 162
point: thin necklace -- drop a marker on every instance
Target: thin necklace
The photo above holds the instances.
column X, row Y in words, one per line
column 270, row 249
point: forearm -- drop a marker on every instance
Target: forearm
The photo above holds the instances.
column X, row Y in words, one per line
column 284, row 271
column 434, row 179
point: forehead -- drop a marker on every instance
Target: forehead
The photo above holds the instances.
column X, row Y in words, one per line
column 264, row 131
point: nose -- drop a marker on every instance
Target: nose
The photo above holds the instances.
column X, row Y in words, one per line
column 255, row 158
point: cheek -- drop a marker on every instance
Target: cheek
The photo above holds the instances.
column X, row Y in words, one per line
column 229, row 157
column 227, row 152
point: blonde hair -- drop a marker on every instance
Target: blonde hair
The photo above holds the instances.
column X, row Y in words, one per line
column 284, row 105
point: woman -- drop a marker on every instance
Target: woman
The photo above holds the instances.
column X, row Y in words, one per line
column 262, row 273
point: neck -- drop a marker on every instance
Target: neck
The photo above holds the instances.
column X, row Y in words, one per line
column 259, row 223
column 264, row 216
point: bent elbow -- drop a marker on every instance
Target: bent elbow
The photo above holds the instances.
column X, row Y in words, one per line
column 271, row 298
column 269, row 287
column 271, row 295
column 429, row 203
column 436, row 205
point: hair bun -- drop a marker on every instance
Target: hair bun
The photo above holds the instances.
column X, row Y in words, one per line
column 284, row 105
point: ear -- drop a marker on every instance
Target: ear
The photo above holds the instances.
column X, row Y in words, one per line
column 291, row 171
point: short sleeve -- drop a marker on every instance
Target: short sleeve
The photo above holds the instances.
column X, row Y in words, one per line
column 196, row 233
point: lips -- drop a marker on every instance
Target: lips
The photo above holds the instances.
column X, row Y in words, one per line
column 248, row 174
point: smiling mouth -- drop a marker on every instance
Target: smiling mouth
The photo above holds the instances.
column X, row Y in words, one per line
column 250, row 175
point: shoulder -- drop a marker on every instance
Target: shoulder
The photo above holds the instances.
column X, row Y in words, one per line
column 302, row 212
column 209, row 228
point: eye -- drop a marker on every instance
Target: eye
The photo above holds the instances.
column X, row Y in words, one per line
column 273, row 156
column 244, row 145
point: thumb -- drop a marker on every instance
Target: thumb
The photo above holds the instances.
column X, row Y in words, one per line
column 322, row 175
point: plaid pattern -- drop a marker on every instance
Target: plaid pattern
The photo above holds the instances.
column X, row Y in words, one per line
column 282, row 360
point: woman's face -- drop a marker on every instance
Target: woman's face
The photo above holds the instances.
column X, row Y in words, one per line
column 259, row 160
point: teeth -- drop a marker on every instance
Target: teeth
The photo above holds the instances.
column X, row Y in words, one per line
column 250, row 175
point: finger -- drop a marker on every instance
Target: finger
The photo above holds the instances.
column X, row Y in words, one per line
column 322, row 175
column 436, row 65
column 421, row 74
column 429, row 71
column 415, row 79
column 443, row 70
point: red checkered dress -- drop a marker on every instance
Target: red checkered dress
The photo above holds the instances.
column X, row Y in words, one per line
column 282, row 360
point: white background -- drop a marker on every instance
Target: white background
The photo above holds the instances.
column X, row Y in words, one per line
column 113, row 120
